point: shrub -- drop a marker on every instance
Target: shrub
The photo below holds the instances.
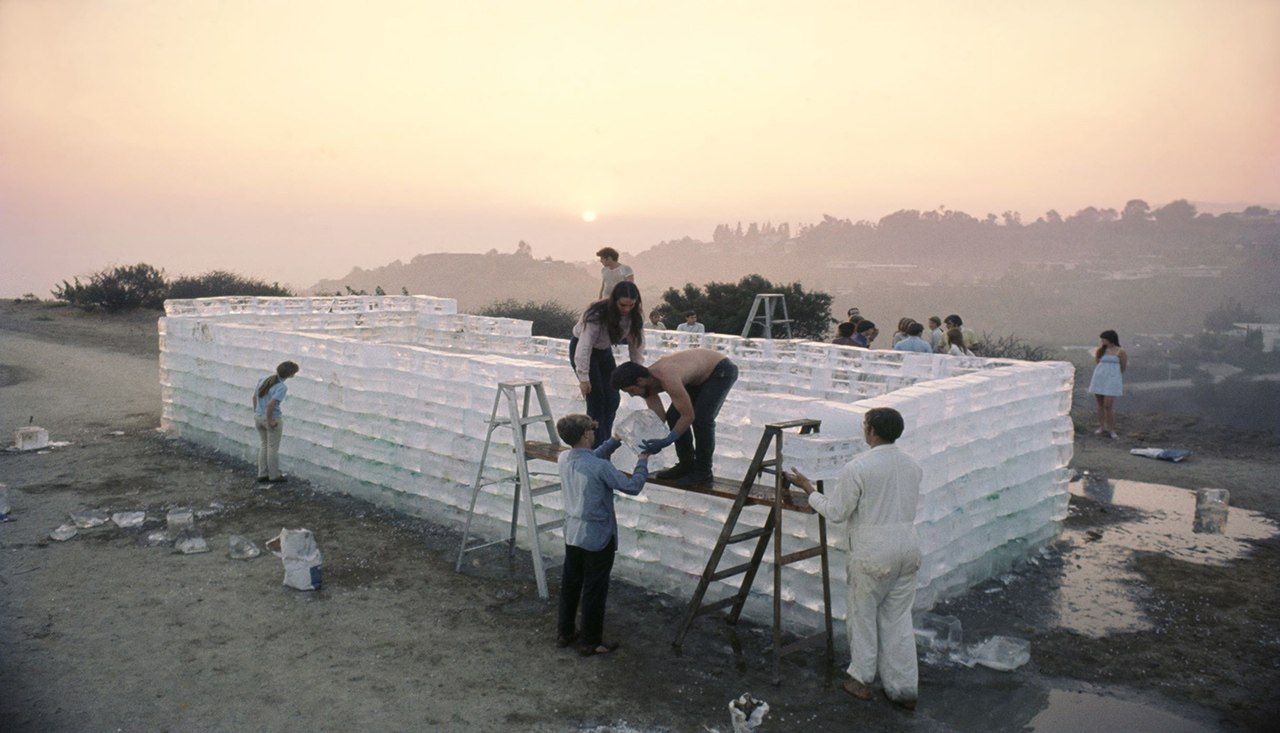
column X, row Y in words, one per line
column 1012, row 347
column 117, row 288
column 220, row 282
column 549, row 318
column 723, row 307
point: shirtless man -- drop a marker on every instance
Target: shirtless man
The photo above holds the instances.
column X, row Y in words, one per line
column 697, row 380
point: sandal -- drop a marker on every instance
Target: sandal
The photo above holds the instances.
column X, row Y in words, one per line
column 604, row 647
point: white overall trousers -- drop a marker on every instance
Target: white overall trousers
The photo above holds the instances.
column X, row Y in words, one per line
column 881, row 577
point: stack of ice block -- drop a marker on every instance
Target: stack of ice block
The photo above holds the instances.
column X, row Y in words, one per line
column 394, row 396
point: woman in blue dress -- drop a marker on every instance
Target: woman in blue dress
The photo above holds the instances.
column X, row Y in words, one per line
column 1108, row 383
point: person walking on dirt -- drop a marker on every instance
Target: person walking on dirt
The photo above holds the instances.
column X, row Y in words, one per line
column 269, row 421
column 1110, row 363
column 874, row 501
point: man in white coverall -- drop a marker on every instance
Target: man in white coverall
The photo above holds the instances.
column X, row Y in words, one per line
column 875, row 501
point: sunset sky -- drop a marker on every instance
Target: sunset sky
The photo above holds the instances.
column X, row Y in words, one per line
column 293, row 140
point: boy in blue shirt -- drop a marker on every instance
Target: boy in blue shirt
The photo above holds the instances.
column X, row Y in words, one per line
column 588, row 480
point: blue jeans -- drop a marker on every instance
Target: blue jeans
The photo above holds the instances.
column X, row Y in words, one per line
column 602, row 403
column 698, row 444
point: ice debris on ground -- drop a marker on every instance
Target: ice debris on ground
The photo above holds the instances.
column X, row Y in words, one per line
column 89, row 518
column 241, row 548
column 1211, row 511
column 159, row 537
column 180, row 519
column 126, row 520
column 1004, row 653
column 189, row 542
column 63, row 533
column 747, row 713
column 1176, row 455
column 939, row 636
column 4, row 503
column 31, row 438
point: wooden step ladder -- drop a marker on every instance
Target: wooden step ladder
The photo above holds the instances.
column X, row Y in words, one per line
column 772, row 438
column 518, row 419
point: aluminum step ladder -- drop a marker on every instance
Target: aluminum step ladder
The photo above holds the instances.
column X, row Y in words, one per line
column 518, row 396
column 772, row 529
column 773, row 303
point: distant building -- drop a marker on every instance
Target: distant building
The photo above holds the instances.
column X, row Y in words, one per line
column 1270, row 333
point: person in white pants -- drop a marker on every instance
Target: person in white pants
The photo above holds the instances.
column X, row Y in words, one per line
column 874, row 499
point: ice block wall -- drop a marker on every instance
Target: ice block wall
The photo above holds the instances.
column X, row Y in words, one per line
column 394, row 394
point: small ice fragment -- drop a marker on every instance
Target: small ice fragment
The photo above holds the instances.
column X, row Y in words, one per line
column 189, row 542
column 129, row 519
column 4, row 502
column 1005, row 653
column 117, row 432
column 31, row 438
column 241, row 548
column 939, row 633
column 747, row 713
column 159, row 537
column 87, row 518
column 180, row 519
column 63, row 533
column 1211, row 511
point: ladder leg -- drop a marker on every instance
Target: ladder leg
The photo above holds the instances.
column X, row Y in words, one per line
column 475, row 494
column 524, row 486
column 826, row 592
column 515, row 518
column 757, row 556
column 727, row 531
column 777, row 566
column 545, row 404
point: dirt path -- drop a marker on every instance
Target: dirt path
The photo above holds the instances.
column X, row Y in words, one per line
column 103, row 632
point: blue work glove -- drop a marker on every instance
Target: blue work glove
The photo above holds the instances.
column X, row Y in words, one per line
column 655, row 445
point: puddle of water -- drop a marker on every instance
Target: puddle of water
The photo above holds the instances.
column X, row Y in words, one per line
column 1100, row 593
column 1073, row 711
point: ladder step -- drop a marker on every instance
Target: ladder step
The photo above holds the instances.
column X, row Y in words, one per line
column 818, row 639
column 744, row 536
column 735, row 570
column 554, row 524
column 531, row 420
column 716, row 606
column 539, row 491
column 483, row 545
column 801, row 555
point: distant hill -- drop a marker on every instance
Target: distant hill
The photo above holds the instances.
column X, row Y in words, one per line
column 476, row 280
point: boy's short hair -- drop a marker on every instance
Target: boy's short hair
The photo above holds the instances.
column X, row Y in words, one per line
column 954, row 320
column 915, row 329
column 935, row 319
column 690, row 313
column 572, row 427
column 885, row 422
column 626, row 375
column 864, row 326
column 608, row 252
column 845, row 329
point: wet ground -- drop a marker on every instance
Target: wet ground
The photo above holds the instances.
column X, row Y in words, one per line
column 1135, row 622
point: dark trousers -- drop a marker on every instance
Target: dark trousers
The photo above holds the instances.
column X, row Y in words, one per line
column 602, row 403
column 585, row 578
column 698, row 444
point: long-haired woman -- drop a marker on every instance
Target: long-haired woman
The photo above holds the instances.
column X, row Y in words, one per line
column 1110, row 363
column 957, row 347
column 617, row 319
column 267, row 417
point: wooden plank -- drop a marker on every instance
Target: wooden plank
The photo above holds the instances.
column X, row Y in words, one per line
column 722, row 488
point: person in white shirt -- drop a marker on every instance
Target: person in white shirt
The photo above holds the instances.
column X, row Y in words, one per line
column 874, row 500
column 936, row 335
column 655, row 320
column 691, row 324
column 956, row 343
column 613, row 271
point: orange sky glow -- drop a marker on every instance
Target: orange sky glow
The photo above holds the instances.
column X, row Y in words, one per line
column 293, row 140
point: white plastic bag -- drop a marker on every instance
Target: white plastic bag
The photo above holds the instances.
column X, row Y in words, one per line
column 297, row 549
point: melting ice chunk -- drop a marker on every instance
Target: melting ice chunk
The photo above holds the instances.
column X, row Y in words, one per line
column 1004, row 653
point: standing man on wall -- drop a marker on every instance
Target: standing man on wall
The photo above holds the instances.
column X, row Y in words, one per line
column 613, row 271
column 698, row 381
column 874, row 500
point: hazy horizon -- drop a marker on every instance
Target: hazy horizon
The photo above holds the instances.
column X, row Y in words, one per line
column 293, row 142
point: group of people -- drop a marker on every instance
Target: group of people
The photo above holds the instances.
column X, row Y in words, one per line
column 873, row 500
column 941, row 336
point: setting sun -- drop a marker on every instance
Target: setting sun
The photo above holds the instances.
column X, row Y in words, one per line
column 588, row 216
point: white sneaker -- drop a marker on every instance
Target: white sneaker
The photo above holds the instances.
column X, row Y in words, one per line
column 1114, row 436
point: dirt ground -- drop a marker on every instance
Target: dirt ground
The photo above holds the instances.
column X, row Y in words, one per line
column 104, row 632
